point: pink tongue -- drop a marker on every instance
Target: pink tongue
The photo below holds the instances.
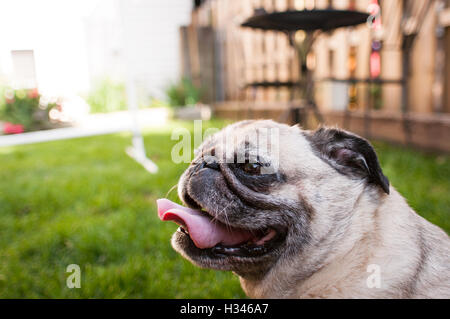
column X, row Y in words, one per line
column 203, row 232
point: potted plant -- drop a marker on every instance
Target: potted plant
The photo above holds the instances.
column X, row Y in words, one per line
column 185, row 98
column 21, row 111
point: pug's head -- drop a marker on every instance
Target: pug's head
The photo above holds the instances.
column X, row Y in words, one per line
column 258, row 193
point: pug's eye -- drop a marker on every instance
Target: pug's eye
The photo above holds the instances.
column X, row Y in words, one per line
column 251, row 168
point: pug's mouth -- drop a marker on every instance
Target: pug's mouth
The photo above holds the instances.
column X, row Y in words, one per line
column 217, row 239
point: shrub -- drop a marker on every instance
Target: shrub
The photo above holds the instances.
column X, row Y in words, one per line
column 183, row 93
column 21, row 107
column 107, row 96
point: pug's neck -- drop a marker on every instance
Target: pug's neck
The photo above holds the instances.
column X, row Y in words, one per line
column 343, row 269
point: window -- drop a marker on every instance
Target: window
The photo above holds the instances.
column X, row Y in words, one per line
column 24, row 74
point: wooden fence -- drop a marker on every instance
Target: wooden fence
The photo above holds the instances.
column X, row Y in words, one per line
column 248, row 73
column 236, row 63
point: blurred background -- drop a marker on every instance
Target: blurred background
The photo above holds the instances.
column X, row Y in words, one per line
column 91, row 91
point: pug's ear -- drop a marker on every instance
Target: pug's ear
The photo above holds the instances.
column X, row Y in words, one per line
column 348, row 154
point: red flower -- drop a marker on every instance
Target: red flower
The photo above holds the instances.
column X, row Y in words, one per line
column 10, row 128
column 9, row 101
column 34, row 93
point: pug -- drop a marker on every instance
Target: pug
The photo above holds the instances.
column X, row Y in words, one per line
column 304, row 214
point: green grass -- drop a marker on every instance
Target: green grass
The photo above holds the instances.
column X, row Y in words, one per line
column 83, row 201
column 423, row 179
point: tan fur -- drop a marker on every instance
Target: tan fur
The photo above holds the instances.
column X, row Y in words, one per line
column 354, row 226
column 389, row 239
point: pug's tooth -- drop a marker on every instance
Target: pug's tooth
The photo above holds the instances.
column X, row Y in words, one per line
column 231, row 250
column 260, row 250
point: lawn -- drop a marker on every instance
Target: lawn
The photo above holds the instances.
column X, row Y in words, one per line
column 83, row 201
